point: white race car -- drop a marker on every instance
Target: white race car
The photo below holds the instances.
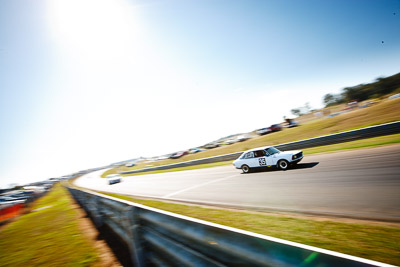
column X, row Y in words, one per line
column 267, row 157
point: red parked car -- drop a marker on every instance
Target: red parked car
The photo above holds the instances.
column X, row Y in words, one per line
column 275, row 127
column 178, row 154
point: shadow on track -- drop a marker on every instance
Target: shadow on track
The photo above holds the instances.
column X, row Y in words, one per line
column 304, row 165
column 291, row 168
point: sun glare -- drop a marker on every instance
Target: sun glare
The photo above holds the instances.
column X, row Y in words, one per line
column 91, row 28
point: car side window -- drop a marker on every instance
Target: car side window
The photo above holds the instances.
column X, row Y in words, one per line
column 259, row 153
column 248, row 155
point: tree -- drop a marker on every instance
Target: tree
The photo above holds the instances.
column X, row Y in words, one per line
column 296, row 112
column 382, row 86
column 328, row 99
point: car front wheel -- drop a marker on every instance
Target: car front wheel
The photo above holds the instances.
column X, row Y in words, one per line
column 245, row 169
column 283, row 164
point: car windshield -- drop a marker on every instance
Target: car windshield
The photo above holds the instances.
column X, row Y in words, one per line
column 272, row 150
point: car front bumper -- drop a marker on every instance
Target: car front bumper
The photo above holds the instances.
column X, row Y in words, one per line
column 296, row 160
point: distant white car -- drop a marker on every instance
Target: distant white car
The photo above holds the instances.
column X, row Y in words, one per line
column 230, row 141
column 267, row 157
column 242, row 137
column 113, row 178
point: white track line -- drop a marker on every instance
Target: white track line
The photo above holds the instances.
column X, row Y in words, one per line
column 199, row 185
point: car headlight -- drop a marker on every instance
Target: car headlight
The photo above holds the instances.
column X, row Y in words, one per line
column 294, row 157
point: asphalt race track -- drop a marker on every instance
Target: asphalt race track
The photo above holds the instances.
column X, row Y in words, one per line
column 362, row 183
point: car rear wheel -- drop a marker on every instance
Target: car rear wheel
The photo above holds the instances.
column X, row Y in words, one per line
column 245, row 169
column 283, row 164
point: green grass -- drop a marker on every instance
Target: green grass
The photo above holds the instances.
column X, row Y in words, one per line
column 366, row 240
column 383, row 112
column 47, row 237
column 364, row 143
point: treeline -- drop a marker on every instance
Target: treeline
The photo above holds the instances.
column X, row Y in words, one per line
column 382, row 86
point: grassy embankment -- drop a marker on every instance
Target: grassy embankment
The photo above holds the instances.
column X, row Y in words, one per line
column 49, row 236
column 368, row 240
column 383, row 112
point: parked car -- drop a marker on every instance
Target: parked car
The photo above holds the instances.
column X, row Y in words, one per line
column 211, row 145
column 394, row 96
column 196, row 150
column 242, row 137
column 263, row 131
column 22, row 195
column 367, row 104
column 334, row 114
column 275, row 128
column 113, row 179
column 267, row 157
column 291, row 123
column 351, row 105
column 230, row 141
column 178, row 154
column 7, row 199
column 164, row 157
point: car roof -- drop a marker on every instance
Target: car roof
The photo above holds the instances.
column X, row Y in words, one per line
column 257, row 148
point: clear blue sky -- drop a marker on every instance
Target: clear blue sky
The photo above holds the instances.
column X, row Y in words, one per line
column 84, row 83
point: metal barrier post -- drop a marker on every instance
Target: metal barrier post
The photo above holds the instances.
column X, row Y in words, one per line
column 136, row 246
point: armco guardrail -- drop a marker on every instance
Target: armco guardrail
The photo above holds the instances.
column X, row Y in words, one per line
column 372, row 131
column 159, row 238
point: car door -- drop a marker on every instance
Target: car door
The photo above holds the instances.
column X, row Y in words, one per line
column 263, row 159
column 272, row 155
column 249, row 160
